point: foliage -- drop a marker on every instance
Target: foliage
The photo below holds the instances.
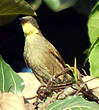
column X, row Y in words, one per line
column 74, row 71
column 94, row 61
column 93, row 23
column 9, row 80
column 10, row 9
column 73, row 103
column 59, row 5
column 93, row 31
column 35, row 3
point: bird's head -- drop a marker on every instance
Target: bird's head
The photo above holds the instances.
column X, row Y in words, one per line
column 29, row 25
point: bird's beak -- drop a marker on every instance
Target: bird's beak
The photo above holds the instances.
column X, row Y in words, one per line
column 22, row 20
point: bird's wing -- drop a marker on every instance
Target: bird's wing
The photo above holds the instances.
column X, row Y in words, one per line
column 52, row 50
column 56, row 54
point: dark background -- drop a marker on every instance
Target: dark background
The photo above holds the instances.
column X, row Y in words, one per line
column 66, row 30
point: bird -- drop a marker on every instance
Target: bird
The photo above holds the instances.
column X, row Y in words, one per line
column 39, row 54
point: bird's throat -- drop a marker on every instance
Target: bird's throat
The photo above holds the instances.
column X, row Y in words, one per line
column 29, row 29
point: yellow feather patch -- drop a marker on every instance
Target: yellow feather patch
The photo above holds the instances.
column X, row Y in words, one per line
column 28, row 29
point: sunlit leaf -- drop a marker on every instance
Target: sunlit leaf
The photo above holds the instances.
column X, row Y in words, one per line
column 93, row 31
column 9, row 80
column 93, row 23
column 73, row 103
column 88, row 51
column 94, row 61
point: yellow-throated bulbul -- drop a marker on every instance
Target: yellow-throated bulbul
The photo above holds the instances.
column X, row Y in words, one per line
column 39, row 54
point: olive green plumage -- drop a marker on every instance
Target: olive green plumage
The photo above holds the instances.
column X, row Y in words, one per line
column 39, row 54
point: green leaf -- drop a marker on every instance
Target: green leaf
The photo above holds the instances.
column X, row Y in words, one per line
column 88, row 51
column 73, row 103
column 94, row 61
column 93, row 23
column 75, row 71
column 9, row 80
column 93, row 51
column 69, row 67
column 35, row 3
column 15, row 7
column 10, row 9
column 59, row 5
